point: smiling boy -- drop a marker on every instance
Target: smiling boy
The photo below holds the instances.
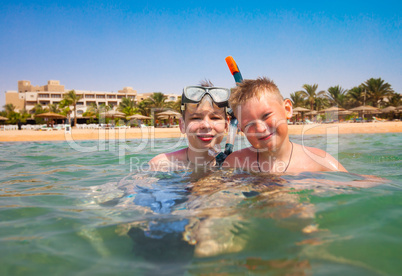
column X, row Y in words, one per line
column 204, row 122
column 262, row 113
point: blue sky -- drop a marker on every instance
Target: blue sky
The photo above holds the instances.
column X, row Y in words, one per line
column 158, row 46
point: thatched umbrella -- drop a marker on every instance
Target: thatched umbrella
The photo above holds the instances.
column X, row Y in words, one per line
column 168, row 114
column 301, row 110
column 388, row 109
column 332, row 109
column 50, row 116
column 312, row 112
column 345, row 112
column 114, row 114
column 138, row 117
column 365, row 108
column 3, row 118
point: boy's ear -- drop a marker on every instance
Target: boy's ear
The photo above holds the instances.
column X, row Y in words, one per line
column 287, row 104
column 182, row 125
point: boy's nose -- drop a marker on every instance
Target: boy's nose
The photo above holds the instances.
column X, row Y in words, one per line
column 205, row 123
column 261, row 127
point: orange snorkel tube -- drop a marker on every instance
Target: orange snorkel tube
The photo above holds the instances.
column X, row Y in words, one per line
column 220, row 157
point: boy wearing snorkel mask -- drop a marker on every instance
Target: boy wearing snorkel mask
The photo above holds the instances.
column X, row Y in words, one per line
column 262, row 113
column 204, row 121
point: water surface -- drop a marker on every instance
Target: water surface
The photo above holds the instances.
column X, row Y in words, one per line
column 69, row 212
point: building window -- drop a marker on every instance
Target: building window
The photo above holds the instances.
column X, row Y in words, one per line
column 43, row 96
column 55, row 96
column 100, row 96
column 80, row 111
column 80, row 103
column 111, row 96
column 90, row 96
column 120, row 96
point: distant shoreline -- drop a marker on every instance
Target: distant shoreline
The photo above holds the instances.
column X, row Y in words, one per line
column 153, row 133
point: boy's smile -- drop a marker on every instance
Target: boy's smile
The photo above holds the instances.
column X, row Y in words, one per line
column 266, row 137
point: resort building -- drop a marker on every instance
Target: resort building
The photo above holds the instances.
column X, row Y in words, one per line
column 169, row 97
column 28, row 96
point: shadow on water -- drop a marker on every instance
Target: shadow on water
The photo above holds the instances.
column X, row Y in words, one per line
column 228, row 221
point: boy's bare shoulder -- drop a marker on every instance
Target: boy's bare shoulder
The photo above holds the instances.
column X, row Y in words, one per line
column 230, row 161
column 315, row 159
column 163, row 160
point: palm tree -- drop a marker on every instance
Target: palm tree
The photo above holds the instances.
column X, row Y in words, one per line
column 355, row 96
column 65, row 106
column 53, row 108
column 297, row 99
column 127, row 106
column 176, row 105
column 337, row 96
column 395, row 100
column 377, row 90
column 144, row 107
column 321, row 103
column 73, row 98
column 38, row 109
column 310, row 94
column 157, row 101
column 9, row 108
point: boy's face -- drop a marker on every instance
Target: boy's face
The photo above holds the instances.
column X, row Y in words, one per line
column 264, row 121
column 204, row 125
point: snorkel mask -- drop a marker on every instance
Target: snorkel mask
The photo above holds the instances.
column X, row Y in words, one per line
column 194, row 95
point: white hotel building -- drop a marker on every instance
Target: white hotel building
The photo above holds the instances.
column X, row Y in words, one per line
column 28, row 96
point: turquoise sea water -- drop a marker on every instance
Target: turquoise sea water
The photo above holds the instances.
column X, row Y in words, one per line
column 69, row 211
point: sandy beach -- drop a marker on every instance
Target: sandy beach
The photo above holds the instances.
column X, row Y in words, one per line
column 152, row 133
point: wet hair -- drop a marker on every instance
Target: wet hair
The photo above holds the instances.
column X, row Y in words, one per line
column 253, row 88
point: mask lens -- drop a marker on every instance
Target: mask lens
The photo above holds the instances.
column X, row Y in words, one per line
column 194, row 93
column 219, row 95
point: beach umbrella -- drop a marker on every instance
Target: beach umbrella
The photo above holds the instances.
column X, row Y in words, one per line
column 332, row 109
column 113, row 114
column 312, row 113
column 3, row 118
column 365, row 108
column 168, row 114
column 51, row 115
column 345, row 112
column 138, row 117
column 300, row 109
column 388, row 109
column 399, row 108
